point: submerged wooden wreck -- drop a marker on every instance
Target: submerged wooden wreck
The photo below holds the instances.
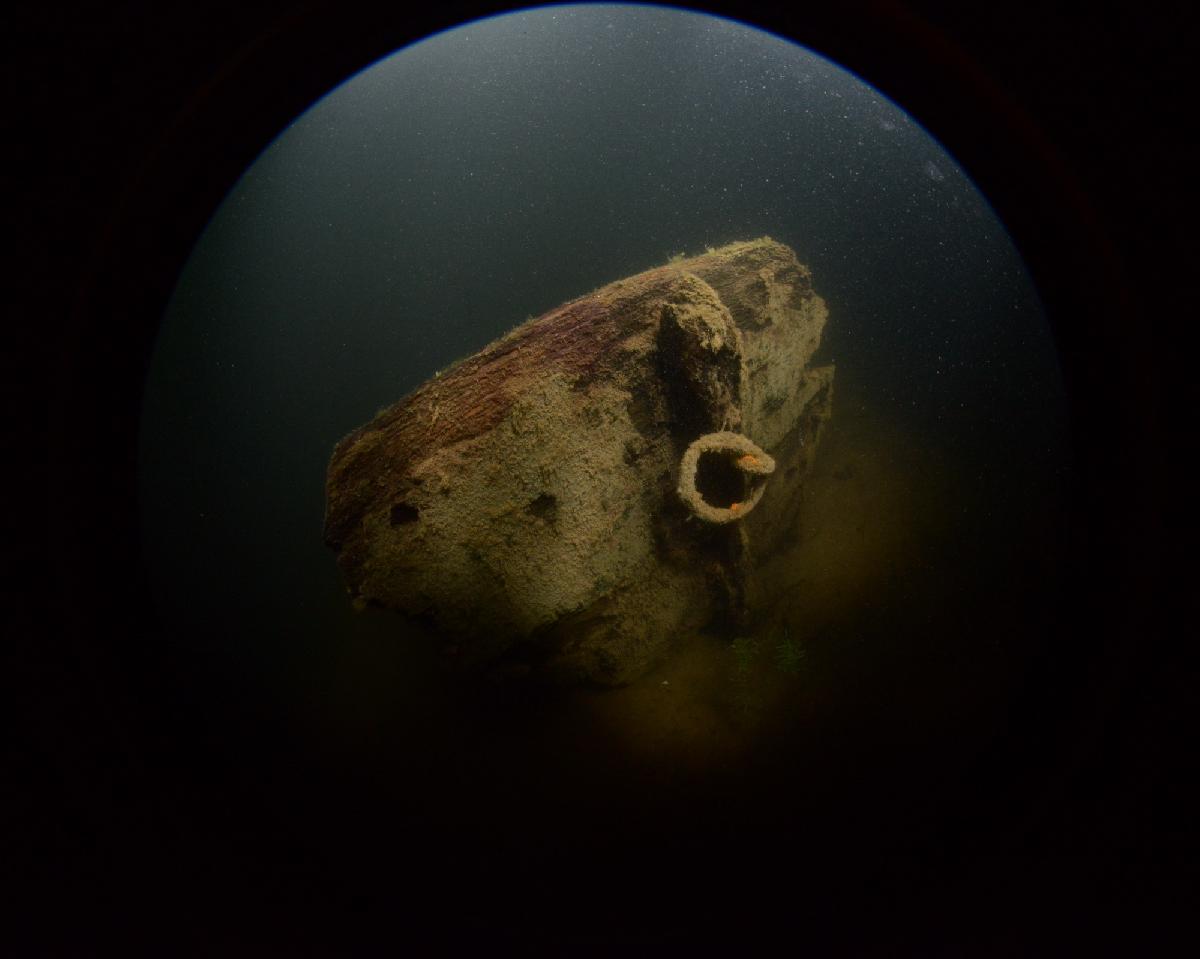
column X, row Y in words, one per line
column 603, row 478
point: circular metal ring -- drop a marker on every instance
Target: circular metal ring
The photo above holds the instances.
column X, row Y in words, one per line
column 745, row 456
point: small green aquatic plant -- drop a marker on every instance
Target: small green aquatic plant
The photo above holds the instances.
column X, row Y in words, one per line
column 753, row 660
column 788, row 654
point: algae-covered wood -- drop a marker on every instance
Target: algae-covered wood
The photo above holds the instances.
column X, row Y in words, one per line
column 527, row 501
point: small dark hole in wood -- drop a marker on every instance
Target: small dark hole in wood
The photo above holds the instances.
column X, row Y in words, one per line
column 403, row 513
column 718, row 481
column 544, row 507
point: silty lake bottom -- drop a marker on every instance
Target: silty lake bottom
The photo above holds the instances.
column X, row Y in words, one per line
column 837, row 739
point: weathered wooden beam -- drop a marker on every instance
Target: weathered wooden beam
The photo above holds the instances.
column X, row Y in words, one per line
column 527, row 500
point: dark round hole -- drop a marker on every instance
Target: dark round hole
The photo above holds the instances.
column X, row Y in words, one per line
column 718, row 481
column 544, row 507
column 404, row 513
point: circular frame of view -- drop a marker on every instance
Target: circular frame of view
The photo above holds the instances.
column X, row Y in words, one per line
column 617, row 424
